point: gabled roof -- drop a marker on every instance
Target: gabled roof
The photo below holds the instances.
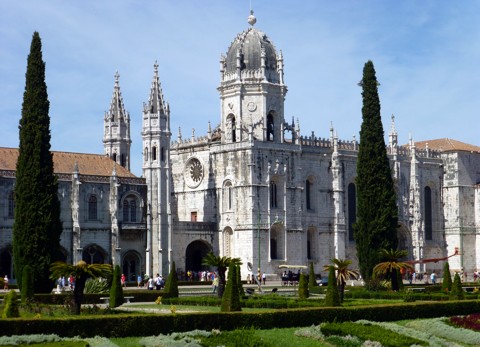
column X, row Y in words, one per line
column 447, row 145
column 64, row 162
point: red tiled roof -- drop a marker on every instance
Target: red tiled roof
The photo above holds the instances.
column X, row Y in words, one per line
column 447, row 145
column 64, row 162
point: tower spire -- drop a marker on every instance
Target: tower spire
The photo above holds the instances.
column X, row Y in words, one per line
column 116, row 139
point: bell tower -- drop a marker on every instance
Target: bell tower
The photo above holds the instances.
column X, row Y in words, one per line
column 116, row 136
column 252, row 91
column 157, row 172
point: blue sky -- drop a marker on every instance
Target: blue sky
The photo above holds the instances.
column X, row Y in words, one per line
column 426, row 54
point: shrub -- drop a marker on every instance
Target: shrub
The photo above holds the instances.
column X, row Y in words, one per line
column 116, row 291
column 11, row 305
column 365, row 332
column 97, row 285
column 171, row 287
column 447, row 278
column 457, row 290
column 332, row 297
column 27, row 284
column 303, row 287
column 231, row 297
column 241, row 291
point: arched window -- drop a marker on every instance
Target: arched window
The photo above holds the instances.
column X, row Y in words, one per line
column 131, row 266
column 270, row 127
column 162, row 154
column 145, row 153
column 11, row 204
column 234, row 134
column 130, row 209
column 308, row 203
column 92, row 207
column 273, row 195
column 122, row 160
column 125, row 210
column 428, row 214
column 94, row 255
column 154, row 153
column 114, row 157
column 133, row 210
column 352, row 209
column 227, row 196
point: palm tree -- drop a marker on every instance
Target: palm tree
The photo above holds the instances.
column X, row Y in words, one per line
column 82, row 271
column 391, row 265
column 343, row 273
column 222, row 264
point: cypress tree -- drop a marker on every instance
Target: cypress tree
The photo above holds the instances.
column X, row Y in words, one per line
column 231, row 296
column 312, row 283
column 171, row 286
column 303, row 287
column 37, row 226
column 116, row 291
column 27, row 284
column 447, row 278
column 332, row 298
column 377, row 213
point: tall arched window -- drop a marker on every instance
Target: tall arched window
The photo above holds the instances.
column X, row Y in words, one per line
column 154, row 153
column 11, row 204
column 130, row 209
column 125, row 210
column 92, row 207
column 352, row 209
column 227, row 196
column 311, row 243
column 270, row 127
column 273, row 248
column 162, row 154
column 308, row 202
column 273, row 195
column 234, row 133
column 133, row 210
column 122, row 160
column 114, row 157
column 428, row 214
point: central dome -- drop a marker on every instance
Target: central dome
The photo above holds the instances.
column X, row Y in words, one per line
column 250, row 44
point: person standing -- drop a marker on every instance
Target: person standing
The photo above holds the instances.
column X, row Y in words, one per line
column 264, row 278
column 123, row 279
column 433, row 277
column 150, row 283
column 139, row 281
column 215, row 284
column 5, row 282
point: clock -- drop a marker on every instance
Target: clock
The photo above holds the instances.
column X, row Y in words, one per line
column 193, row 172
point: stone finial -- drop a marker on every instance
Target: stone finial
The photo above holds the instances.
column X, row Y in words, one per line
column 251, row 19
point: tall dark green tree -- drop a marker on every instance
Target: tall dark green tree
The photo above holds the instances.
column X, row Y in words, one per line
column 37, row 226
column 377, row 213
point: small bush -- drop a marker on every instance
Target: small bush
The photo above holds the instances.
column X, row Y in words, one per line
column 457, row 290
column 11, row 305
column 303, row 287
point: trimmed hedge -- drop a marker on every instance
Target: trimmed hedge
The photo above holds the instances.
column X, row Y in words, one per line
column 128, row 325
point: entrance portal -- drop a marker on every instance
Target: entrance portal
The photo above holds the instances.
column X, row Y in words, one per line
column 195, row 252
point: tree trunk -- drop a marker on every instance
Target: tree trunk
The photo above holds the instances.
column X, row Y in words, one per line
column 78, row 294
column 394, row 280
column 342, row 289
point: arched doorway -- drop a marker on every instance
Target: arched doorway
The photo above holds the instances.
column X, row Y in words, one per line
column 131, row 266
column 6, row 263
column 194, row 254
column 405, row 241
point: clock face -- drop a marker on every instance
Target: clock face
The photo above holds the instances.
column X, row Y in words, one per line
column 193, row 172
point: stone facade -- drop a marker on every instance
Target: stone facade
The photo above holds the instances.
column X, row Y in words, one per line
column 253, row 187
